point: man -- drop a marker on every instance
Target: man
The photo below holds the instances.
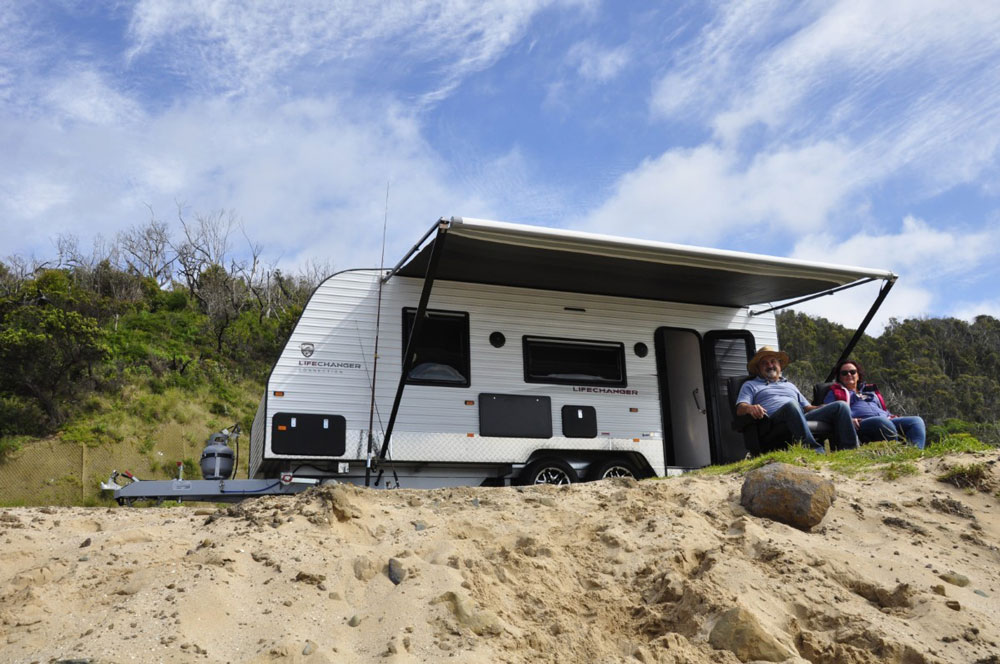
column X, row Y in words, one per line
column 782, row 412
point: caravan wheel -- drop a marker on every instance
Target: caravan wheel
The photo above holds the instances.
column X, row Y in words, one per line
column 548, row 471
column 613, row 468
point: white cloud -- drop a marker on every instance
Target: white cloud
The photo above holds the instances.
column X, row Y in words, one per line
column 702, row 194
column 243, row 46
column 595, row 63
column 969, row 310
column 308, row 177
column 86, row 96
column 929, row 261
column 914, row 86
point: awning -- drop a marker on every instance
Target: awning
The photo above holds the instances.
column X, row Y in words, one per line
column 504, row 254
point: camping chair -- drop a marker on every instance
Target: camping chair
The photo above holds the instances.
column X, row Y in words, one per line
column 778, row 439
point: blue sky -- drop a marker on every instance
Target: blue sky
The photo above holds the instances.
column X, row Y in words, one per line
column 856, row 132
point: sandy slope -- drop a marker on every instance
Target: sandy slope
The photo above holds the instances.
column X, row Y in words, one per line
column 615, row 571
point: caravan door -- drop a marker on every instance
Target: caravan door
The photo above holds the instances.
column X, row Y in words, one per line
column 726, row 354
column 686, row 436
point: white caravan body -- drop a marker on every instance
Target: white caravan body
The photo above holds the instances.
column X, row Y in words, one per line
column 513, row 310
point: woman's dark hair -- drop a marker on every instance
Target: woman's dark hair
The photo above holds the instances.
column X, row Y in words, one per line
column 840, row 365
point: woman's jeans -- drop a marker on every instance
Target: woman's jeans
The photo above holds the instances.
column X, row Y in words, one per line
column 911, row 429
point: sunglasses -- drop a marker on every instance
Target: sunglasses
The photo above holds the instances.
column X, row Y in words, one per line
column 848, row 372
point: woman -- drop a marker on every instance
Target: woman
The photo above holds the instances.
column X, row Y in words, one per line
column 871, row 418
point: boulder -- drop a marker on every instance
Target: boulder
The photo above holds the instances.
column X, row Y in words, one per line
column 789, row 494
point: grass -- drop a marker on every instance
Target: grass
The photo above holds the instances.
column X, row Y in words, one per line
column 889, row 459
column 969, row 476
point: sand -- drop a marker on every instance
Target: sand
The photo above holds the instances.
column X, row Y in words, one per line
column 612, row 571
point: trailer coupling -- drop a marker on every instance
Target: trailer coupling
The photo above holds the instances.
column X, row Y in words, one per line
column 212, row 491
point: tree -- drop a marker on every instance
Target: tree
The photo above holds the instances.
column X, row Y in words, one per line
column 44, row 351
column 145, row 251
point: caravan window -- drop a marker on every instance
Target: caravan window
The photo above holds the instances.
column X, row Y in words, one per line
column 441, row 356
column 574, row 362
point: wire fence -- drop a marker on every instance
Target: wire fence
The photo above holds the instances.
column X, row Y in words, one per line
column 56, row 472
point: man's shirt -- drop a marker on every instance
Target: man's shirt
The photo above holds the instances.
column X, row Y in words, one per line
column 772, row 396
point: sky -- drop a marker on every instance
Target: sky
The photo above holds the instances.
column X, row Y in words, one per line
column 845, row 131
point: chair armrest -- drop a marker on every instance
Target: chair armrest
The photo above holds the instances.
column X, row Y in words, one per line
column 741, row 422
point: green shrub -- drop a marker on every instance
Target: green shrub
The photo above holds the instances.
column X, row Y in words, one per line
column 21, row 417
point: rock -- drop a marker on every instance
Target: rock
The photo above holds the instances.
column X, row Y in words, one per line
column 354, row 621
column 739, row 632
column 955, row 579
column 789, row 494
column 396, row 571
column 419, row 525
column 981, row 593
column 953, row 605
column 309, row 648
column 85, row 543
column 938, row 590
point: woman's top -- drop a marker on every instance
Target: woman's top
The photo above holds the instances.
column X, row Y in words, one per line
column 867, row 403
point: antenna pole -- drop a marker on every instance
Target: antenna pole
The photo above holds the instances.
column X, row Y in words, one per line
column 378, row 321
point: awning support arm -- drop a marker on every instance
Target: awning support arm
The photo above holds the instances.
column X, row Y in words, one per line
column 860, row 282
column 437, row 226
column 864, row 325
column 437, row 248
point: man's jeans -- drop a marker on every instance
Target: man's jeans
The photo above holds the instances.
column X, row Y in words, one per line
column 910, row 428
column 790, row 418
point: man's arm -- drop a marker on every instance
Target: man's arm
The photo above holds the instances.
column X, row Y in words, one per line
column 753, row 410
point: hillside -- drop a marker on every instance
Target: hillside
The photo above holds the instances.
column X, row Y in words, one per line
column 617, row 571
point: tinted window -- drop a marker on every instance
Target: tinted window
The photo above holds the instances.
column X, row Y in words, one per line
column 574, row 362
column 442, row 352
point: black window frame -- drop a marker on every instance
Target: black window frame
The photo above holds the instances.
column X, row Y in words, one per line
column 408, row 315
column 618, row 346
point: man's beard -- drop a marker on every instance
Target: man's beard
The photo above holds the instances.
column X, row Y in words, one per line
column 772, row 373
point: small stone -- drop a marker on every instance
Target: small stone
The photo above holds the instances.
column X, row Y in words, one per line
column 419, row 525
column 354, row 621
column 953, row 605
column 938, row 590
column 85, row 543
column 981, row 593
column 396, row 571
column 955, row 579
column 309, row 648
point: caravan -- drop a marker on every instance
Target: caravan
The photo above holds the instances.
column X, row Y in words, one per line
column 498, row 353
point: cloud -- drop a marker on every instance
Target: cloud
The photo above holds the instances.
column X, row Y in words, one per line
column 308, row 177
column 700, row 195
column 242, row 46
column 86, row 96
column 912, row 85
column 930, row 262
column 594, row 63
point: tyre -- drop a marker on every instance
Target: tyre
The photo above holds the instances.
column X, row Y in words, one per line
column 548, row 471
column 603, row 470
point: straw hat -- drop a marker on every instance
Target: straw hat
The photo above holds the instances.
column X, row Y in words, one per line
column 766, row 351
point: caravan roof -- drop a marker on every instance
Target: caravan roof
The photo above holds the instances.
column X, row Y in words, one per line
column 492, row 252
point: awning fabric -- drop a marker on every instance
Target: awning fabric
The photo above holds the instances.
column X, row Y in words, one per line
column 491, row 252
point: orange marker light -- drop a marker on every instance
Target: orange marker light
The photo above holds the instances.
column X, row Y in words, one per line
column 282, row 427
column 633, row 410
column 470, row 403
column 279, row 393
column 470, row 435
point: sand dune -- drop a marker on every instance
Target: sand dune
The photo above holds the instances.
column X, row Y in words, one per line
column 672, row 571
